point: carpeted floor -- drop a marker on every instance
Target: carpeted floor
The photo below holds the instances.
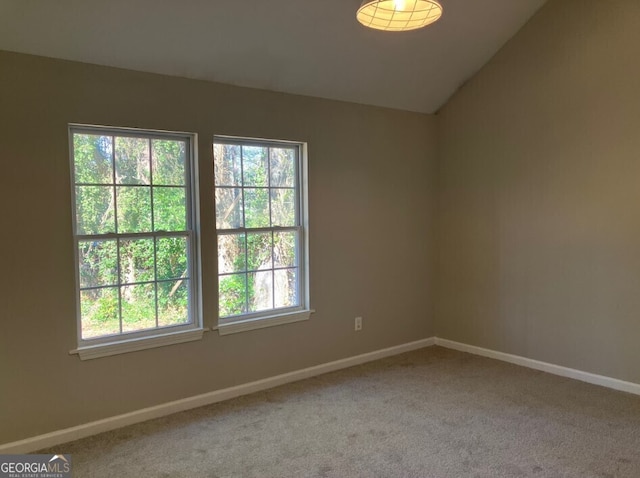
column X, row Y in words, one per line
column 430, row 413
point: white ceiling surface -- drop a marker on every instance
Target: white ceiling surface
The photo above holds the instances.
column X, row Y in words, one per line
column 307, row 47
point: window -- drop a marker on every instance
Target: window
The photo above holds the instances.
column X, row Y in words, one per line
column 137, row 268
column 261, row 233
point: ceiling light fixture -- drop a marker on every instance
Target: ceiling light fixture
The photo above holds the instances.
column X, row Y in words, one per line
column 398, row 15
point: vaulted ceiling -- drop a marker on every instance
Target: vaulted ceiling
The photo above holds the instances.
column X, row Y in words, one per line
column 308, row 47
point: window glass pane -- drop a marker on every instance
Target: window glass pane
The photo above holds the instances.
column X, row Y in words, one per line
column 93, row 159
column 227, row 165
column 172, row 257
column 173, row 302
column 169, row 209
column 117, row 175
column 232, row 294
column 99, row 312
column 134, row 209
column 138, row 307
column 283, row 207
column 284, row 248
column 256, row 207
column 132, row 161
column 259, row 250
column 136, row 260
column 168, row 158
column 94, row 210
column 286, row 287
column 98, row 263
column 283, row 167
column 260, row 285
column 265, row 197
column 229, row 208
column 231, row 253
column 255, row 166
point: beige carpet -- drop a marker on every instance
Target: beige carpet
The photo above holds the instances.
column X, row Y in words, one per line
column 430, row 413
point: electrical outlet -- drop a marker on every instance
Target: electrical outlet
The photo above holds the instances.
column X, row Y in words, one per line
column 358, row 324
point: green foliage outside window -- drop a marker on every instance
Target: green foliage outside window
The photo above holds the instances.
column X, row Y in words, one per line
column 256, row 189
column 131, row 185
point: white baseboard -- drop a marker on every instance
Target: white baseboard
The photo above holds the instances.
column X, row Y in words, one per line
column 81, row 431
column 88, row 429
column 592, row 378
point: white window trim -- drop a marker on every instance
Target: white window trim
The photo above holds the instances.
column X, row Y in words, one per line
column 141, row 340
column 140, row 343
column 274, row 317
column 254, row 323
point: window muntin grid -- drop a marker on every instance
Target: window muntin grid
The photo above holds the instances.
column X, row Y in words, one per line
column 138, row 226
column 259, row 221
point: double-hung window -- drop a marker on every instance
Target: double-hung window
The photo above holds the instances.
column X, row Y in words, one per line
column 260, row 202
column 135, row 239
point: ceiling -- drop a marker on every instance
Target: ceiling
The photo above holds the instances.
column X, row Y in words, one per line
column 314, row 48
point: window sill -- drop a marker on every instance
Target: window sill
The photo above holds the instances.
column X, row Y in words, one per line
column 132, row 345
column 262, row 322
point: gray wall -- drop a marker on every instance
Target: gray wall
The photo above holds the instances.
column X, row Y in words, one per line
column 538, row 225
column 370, row 251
